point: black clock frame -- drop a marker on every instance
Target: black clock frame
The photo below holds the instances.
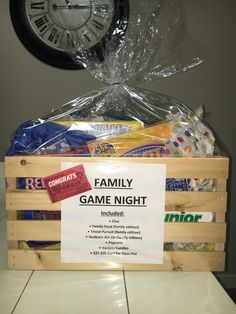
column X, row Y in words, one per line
column 46, row 53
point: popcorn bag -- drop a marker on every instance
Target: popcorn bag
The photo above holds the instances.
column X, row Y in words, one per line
column 144, row 41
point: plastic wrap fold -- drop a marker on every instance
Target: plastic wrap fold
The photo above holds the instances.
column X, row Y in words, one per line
column 148, row 41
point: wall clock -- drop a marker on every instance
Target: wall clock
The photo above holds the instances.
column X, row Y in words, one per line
column 48, row 28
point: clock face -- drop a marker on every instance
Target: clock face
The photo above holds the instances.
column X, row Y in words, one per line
column 50, row 28
column 63, row 23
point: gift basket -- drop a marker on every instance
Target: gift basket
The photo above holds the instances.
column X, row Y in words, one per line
column 122, row 119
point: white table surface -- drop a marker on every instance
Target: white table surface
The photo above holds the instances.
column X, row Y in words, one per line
column 107, row 292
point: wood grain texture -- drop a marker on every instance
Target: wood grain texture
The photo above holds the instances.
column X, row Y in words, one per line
column 175, row 201
column 29, row 166
column 10, row 184
column 174, row 232
column 220, row 217
column 173, row 261
column 220, row 185
column 35, row 166
column 219, row 247
column 12, row 215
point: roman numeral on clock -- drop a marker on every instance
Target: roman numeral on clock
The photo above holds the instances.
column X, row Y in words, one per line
column 69, row 40
column 38, row 5
column 86, row 37
column 101, row 7
column 42, row 23
column 97, row 24
column 54, row 35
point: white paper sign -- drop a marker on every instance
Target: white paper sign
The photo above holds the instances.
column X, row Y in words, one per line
column 121, row 220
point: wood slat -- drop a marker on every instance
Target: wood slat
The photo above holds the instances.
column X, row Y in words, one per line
column 10, row 184
column 196, row 201
column 175, row 201
column 12, row 245
column 219, row 247
column 174, row 261
column 220, row 217
column 12, row 215
column 220, row 185
column 174, row 232
column 35, row 166
column 30, row 200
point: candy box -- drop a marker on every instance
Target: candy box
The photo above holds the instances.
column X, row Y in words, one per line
column 211, row 257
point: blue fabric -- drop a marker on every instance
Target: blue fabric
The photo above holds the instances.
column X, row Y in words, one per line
column 30, row 137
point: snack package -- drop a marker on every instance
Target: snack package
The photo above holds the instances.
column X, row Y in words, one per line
column 135, row 143
column 164, row 139
column 144, row 41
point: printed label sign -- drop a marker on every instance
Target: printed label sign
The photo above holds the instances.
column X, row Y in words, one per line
column 67, row 183
column 120, row 220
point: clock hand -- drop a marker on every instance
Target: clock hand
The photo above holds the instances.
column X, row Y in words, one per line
column 75, row 6
column 68, row 3
column 80, row 6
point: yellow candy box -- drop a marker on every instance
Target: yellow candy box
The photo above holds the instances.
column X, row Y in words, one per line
column 140, row 142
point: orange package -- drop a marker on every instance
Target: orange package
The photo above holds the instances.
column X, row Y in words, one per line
column 144, row 142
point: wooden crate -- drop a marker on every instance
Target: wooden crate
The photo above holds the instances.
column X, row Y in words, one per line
column 34, row 166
